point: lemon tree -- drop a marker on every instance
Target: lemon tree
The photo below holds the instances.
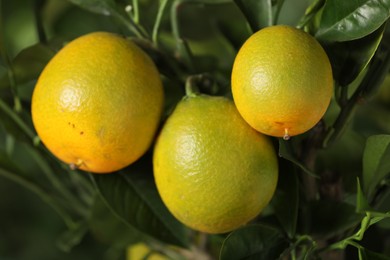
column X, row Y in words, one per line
column 187, row 106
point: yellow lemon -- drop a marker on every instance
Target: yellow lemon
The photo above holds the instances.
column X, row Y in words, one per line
column 212, row 170
column 282, row 81
column 98, row 102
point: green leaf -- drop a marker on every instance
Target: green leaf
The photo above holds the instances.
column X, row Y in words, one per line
column 133, row 197
column 110, row 8
column 109, row 229
column 361, row 200
column 286, row 152
column 253, row 242
column 28, row 64
column 329, row 217
column 350, row 20
column 376, row 162
column 104, row 7
column 15, row 123
column 350, row 58
column 72, row 236
column 9, row 170
column 365, row 254
column 286, row 199
column 258, row 13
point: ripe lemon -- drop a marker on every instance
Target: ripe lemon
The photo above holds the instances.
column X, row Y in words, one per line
column 212, row 170
column 98, row 102
column 282, row 81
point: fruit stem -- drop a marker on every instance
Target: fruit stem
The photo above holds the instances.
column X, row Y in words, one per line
column 76, row 165
column 286, row 135
column 195, row 83
column 191, row 87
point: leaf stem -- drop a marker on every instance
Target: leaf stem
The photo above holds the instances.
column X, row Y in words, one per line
column 38, row 21
column 8, row 64
column 22, row 125
column 157, row 23
column 136, row 11
column 278, row 10
column 9, row 144
column 353, row 239
column 311, row 11
column 131, row 25
column 43, row 195
column 76, row 204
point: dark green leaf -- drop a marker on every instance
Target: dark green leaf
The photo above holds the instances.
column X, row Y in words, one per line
column 286, row 152
column 28, row 64
column 286, row 199
column 376, row 162
column 328, row 217
column 105, row 7
column 253, row 242
column 15, row 124
column 133, row 197
column 109, row 229
column 7, row 165
column 383, row 205
column 350, row 20
column 72, row 236
column 350, row 58
column 377, row 71
column 258, row 13
column 9, row 170
column 365, row 254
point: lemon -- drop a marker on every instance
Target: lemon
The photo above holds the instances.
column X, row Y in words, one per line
column 98, row 102
column 141, row 251
column 282, row 81
column 212, row 170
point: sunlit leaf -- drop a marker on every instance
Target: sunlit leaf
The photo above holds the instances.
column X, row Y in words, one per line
column 253, row 242
column 376, row 162
column 133, row 197
column 350, row 20
column 258, row 13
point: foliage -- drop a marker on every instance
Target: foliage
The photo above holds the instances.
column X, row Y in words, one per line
column 334, row 191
